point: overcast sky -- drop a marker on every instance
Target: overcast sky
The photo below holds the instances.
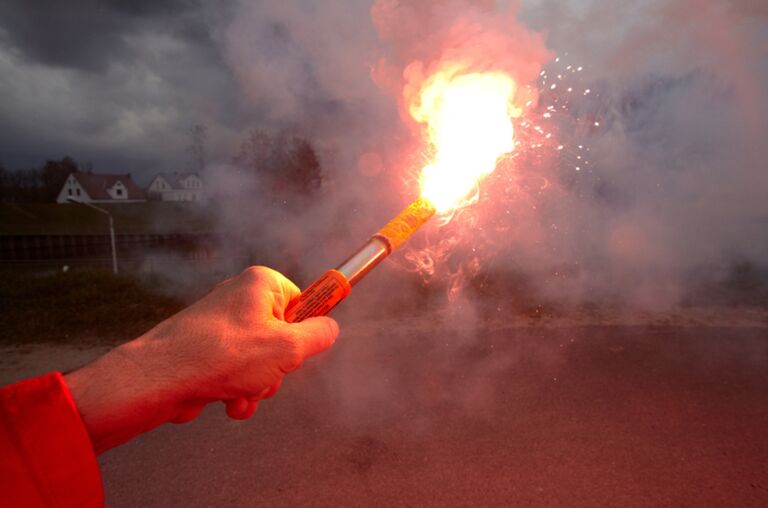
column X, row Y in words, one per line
column 117, row 83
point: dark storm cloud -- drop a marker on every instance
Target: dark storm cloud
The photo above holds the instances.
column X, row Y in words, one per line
column 114, row 82
column 85, row 34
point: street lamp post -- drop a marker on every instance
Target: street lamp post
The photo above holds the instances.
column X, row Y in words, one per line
column 111, row 229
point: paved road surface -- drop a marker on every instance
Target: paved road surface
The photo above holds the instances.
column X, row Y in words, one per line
column 603, row 416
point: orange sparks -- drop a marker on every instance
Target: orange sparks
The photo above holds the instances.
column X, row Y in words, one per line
column 468, row 120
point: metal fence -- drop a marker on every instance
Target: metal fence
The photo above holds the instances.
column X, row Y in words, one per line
column 134, row 252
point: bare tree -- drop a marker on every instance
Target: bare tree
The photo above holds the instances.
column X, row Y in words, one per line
column 286, row 163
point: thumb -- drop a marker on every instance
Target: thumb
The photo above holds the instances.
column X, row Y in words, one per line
column 315, row 334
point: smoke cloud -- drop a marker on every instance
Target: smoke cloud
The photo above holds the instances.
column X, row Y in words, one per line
column 674, row 197
column 657, row 193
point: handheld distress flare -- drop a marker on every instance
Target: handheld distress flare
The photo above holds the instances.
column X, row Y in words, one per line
column 335, row 285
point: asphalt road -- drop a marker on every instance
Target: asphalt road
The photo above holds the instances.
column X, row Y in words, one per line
column 602, row 416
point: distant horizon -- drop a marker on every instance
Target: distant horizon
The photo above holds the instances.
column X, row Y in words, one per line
column 140, row 174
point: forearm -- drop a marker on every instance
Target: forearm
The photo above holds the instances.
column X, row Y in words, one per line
column 119, row 397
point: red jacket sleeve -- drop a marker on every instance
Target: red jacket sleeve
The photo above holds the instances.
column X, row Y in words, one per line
column 46, row 456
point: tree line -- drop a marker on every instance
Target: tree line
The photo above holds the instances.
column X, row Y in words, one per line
column 286, row 163
column 35, row 185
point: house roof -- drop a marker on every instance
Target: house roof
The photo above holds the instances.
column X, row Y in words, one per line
column 96, row 185
column 174, row 179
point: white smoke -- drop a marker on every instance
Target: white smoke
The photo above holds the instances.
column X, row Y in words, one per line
column 674, row 195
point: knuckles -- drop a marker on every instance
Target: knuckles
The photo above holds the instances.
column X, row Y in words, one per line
column 258, row 273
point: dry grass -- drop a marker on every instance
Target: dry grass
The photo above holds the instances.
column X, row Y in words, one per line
column 79, row 307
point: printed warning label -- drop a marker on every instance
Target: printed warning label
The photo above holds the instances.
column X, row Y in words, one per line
column 319, row 298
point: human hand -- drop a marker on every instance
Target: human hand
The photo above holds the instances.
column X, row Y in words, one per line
column 232, row 345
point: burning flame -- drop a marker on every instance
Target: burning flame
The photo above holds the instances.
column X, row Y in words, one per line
column 468, row 121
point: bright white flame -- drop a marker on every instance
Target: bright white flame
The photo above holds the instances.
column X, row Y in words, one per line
column 469, row 125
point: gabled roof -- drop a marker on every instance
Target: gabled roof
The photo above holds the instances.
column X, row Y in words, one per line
column 96, row 185
column 174, row 179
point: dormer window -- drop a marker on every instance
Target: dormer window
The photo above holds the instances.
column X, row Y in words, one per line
column 119, row 192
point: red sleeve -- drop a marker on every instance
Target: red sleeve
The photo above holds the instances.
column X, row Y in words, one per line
column 46, row 456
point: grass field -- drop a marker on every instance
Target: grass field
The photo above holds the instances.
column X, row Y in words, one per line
column 130, row 218
column 80, row 307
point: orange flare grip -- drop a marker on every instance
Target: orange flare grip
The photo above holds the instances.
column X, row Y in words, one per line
column 319, row 298
column 399, row 229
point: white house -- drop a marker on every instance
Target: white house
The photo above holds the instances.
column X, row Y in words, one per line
column 177, row 187
column 90, row 187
